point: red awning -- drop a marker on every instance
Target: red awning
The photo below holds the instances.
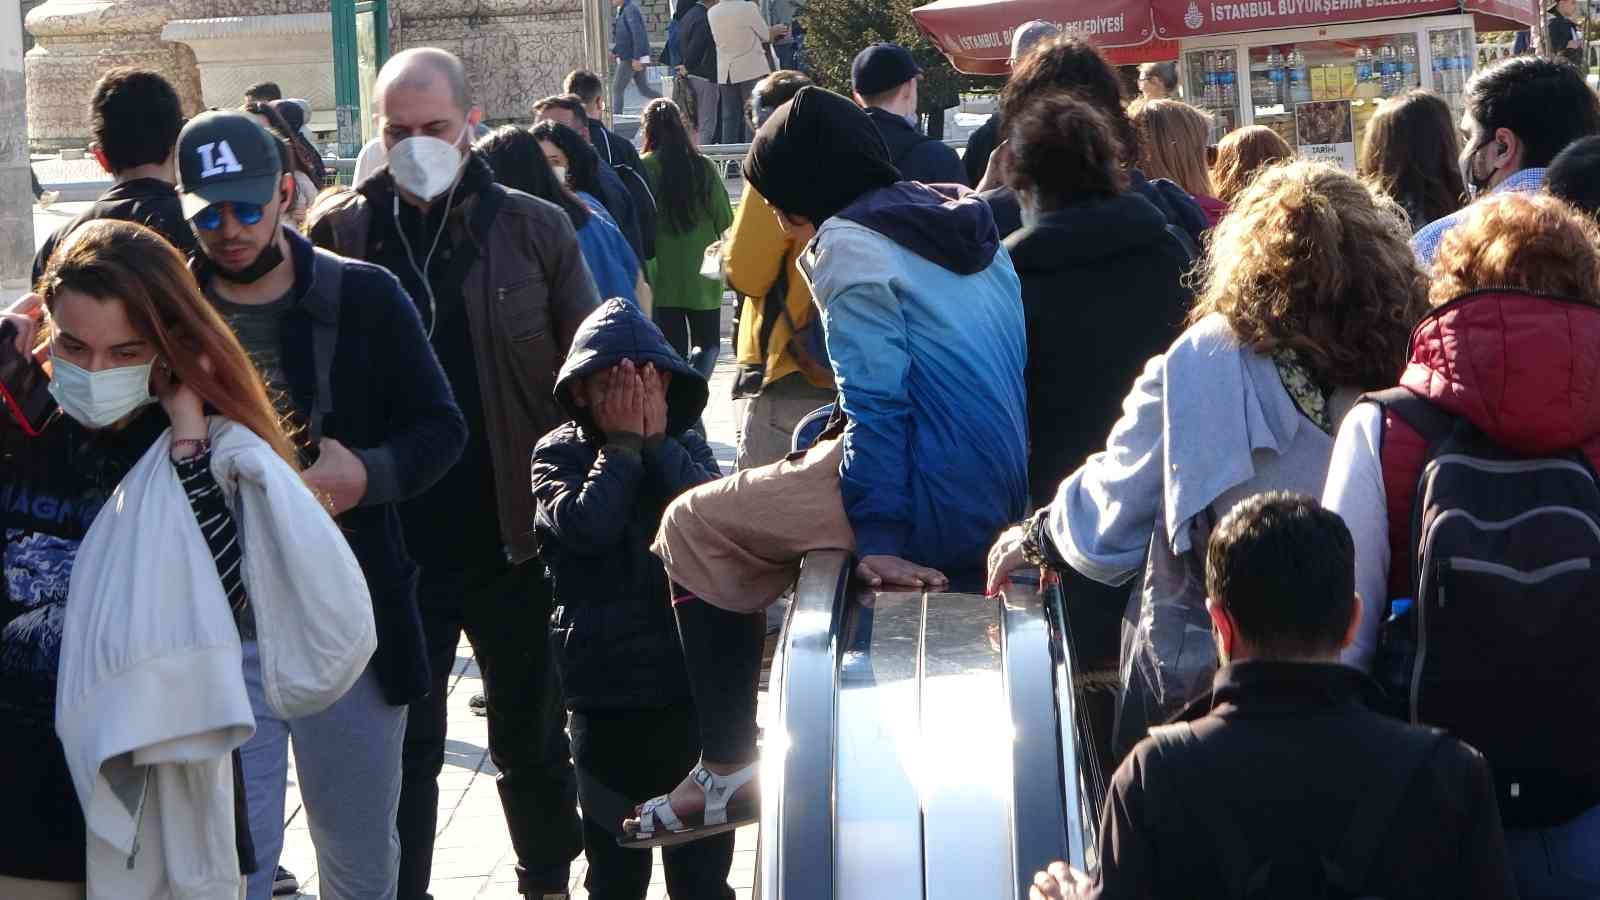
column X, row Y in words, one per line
column 976, row 34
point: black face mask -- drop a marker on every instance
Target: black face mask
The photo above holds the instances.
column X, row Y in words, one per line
column 267, row 260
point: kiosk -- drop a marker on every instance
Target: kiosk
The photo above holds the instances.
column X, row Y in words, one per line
column 1312, row 70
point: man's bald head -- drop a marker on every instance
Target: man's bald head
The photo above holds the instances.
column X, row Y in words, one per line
column 419, row 68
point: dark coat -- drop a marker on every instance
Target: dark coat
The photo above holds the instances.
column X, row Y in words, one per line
column 980, row 146
column 148, row 201
column 698, row 50
column 1102, row 292
column 630, row 40
column 393, row 408
column 599, row 502
column 1185, row 218
column 1286, row 751
column 917, row 156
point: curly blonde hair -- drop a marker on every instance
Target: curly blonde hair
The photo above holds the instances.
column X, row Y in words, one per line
column 1310, row 259
column 1527, row 242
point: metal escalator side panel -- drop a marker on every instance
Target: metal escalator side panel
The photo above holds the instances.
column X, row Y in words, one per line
column 878, row 809
column 796, row 834
column 964, row 771
column 1082, row 783
column 1047, row 825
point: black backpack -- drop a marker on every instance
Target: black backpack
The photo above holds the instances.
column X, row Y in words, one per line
column 1498, row 644
column 1309, row 873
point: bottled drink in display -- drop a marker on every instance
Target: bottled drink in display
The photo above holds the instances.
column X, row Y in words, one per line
column 1440, row 53
column 1210, row 93
column 1363, row 64
column 1408, row 67
column 1463, row 67
column 1299, row 77
column 1274, row 78
column 1227, row 84
column 1388, row 70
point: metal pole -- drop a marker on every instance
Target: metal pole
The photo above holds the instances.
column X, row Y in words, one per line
column 346, row 77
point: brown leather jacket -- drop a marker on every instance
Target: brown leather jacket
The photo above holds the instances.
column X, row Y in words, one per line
column 525, row 295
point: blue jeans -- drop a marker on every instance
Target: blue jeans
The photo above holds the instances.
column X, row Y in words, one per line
column 347, row 758
column 1560, row 863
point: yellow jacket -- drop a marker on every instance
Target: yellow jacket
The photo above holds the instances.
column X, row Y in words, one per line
column 755, row 248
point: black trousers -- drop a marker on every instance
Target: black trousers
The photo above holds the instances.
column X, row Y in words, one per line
column 722, row 651
column 686, row 329
column 625, row 757
column 505, row 612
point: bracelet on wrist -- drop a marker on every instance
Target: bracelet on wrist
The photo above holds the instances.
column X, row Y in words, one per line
column 1032, row 541
column 195, row 446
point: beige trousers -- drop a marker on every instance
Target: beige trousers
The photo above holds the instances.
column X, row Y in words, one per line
column 26, row 889
column 736, row 543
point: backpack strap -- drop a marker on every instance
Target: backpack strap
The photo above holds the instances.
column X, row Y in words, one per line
column 1177, row 741
column 1350, row 864
column 327, row 278
column 1433, row 423
column 1412, row 427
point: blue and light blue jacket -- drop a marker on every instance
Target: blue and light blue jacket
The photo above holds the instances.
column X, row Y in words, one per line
column 923, row 316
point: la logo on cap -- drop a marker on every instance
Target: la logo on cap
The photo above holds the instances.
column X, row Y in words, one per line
column 217, row 158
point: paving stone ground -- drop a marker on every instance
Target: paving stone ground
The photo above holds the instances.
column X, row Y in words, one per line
column 472, row 854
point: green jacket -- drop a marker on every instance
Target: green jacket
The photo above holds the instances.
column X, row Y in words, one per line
column 675, row 272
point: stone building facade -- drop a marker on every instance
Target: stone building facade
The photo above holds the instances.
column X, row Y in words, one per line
column 515, row 51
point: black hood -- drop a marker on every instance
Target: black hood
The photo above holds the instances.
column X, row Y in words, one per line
column 615, row 331
column 939, row 224
column 1078, row 234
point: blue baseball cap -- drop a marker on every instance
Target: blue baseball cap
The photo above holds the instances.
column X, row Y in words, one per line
column 881, row 68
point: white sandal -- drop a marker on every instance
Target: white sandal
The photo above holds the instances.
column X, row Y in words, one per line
column 719, row 815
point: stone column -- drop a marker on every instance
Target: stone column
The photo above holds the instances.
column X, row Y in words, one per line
column 16, row 188
column 77, row 41
column 515, row 51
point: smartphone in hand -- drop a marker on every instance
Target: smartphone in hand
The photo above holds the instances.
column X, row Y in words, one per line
column 24, row 387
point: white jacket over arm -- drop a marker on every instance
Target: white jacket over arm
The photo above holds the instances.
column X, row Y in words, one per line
column 150, row 696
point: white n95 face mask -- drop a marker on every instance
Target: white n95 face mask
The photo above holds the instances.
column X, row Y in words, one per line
column 99, row 399
column 561, row 174
column 424, row 166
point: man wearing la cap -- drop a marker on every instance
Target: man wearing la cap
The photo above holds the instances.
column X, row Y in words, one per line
column 341, row 348
column 884, row 78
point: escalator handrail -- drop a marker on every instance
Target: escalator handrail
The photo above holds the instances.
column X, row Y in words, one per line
column 806, row 672
column 1049, row 821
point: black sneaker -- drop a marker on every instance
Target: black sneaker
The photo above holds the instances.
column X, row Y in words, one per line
column 284, row 883
column 479, row 705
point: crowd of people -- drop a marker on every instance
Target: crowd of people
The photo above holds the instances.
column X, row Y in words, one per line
column 464, row 396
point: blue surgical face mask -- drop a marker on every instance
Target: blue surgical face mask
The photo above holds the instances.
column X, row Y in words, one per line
column 100, row 399
column 913, row 120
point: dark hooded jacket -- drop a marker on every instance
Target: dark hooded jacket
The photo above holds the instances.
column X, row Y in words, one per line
column 1106, row 279
column 599, row 500
column 1185, row 218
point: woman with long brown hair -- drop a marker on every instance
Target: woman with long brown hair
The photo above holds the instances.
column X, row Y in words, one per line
column 695, row 211
column 138, row 364
column 1172, row 145
column 1410, row 154
column 1241, row 154
column 1285, row 334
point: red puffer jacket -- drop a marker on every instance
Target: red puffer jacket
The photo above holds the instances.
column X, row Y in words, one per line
column 1523, row 368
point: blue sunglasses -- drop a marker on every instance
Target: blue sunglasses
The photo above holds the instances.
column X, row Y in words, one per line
column 210, row 218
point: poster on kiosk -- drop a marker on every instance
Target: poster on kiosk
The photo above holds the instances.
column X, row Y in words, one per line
column 1312, row 70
